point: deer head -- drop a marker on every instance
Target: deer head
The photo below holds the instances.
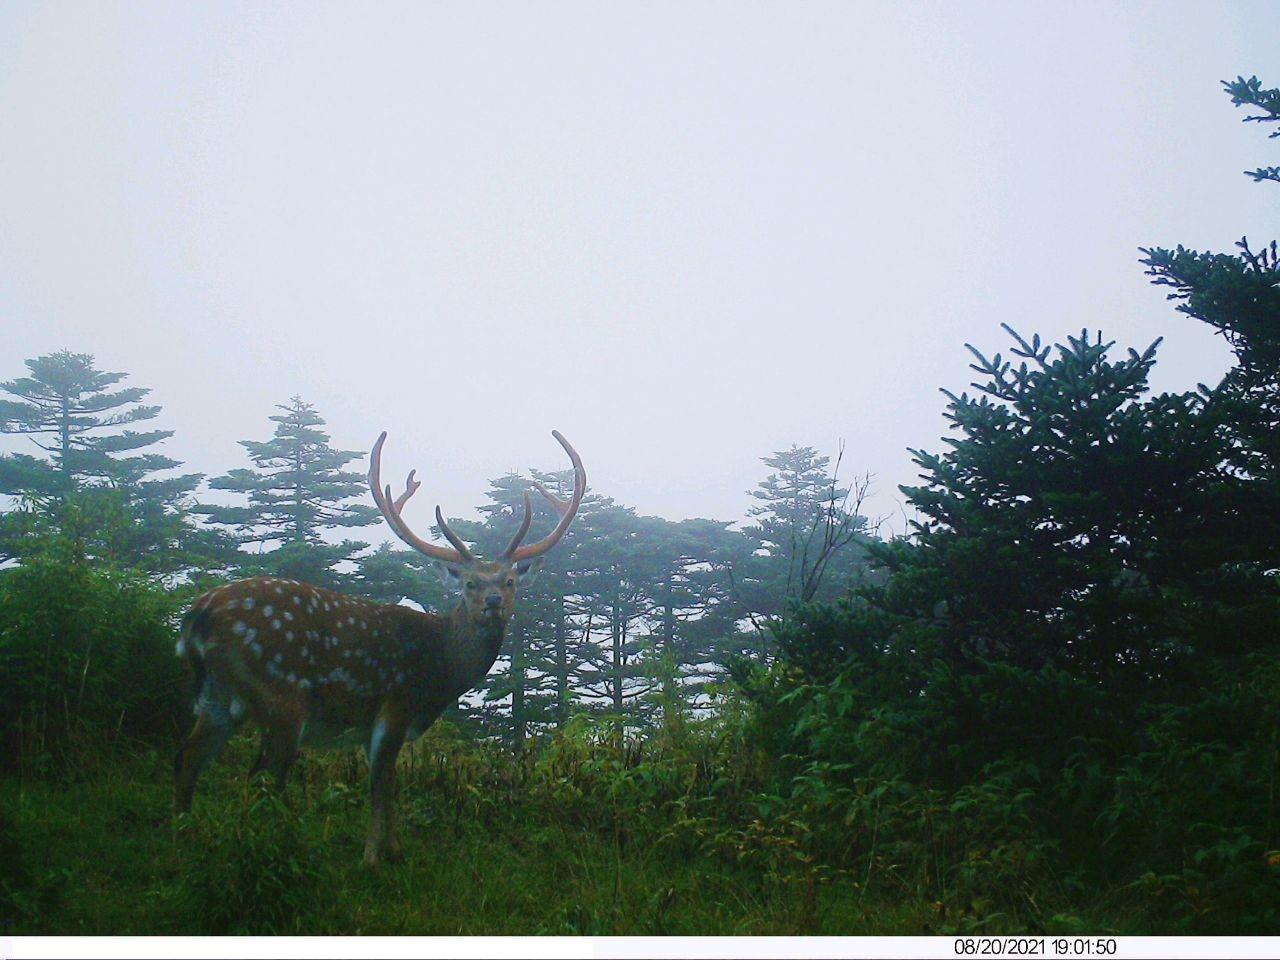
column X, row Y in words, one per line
column 488, row 587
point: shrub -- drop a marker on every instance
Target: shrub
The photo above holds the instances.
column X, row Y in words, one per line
column 86, row 653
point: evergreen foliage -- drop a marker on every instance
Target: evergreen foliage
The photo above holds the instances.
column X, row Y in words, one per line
column 96, row 484
column 297, row 492
column 1081, row 631
column 808, row 530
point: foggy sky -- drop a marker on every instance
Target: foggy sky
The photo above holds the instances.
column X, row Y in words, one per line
column 685, row 235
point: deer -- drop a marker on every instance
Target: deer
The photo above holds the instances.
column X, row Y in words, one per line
column 316, row 668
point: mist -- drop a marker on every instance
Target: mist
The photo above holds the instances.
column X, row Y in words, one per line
column 468, row 225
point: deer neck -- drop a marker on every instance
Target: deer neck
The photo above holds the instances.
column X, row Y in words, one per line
column 472, row 648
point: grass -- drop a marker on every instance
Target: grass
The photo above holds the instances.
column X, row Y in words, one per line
column 101, row 855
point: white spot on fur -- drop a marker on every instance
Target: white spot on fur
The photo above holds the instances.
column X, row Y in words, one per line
column 239, row 628
column 288, row 634
column 297, row 599
column 248, row 603
column 268, row 610
column 275, row 625
column 287, row 614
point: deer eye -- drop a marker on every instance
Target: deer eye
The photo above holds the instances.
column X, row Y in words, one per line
column 510, row 582
column 471, row 584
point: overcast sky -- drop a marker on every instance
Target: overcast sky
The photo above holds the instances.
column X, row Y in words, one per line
column 684, row 234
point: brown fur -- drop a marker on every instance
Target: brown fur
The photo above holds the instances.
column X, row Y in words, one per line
column 311, row 666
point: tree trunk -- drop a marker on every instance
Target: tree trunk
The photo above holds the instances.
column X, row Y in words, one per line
column 299, row 527
column 562, row 666
column 615, row 678
column 519, row 719
column 669, row 691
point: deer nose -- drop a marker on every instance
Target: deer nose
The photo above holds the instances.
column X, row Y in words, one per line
column 493, row 600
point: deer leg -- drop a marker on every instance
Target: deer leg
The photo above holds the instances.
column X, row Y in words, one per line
column 278, row 752
column 213, row 728
column 384, row 748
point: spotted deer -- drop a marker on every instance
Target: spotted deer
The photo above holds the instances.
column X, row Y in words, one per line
column 311, row 667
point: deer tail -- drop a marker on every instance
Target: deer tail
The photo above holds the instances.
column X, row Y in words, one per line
column 192, row 639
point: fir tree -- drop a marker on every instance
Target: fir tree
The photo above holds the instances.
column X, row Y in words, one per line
column 297, row 491
column 805, row 522
column 96, row 486
column 532, row 686
column 1238, row 295
column 390, row 575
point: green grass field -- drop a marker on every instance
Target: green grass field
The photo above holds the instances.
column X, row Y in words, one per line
column 100, row 854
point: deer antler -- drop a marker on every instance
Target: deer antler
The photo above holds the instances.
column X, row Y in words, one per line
column 391, row 510
column 524, row 527
column 566, row 509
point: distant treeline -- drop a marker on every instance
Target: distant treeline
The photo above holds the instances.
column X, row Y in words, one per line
column 627, row 607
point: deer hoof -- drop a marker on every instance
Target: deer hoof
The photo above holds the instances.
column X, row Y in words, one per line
column 375, row 854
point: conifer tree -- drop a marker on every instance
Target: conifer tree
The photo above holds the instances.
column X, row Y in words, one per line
column 806, row 521
column 690, row 622
column 297, row 492
column 534, row 682
column 97, row 483
column 1238, row 295
column 390, row 575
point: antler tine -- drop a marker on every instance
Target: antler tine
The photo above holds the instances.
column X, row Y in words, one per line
column 450, row 535
column 391, row 510
column 566, row 511
column 560, row 506
column 410, row 488
column 524, row 527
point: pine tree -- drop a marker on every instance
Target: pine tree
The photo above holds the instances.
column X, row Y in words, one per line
column 297, row 491
column 691, row 615
column 97, row 486
column 534, row 683
column 1238, row 295
column 1066, row 546
column 389, row 575
column 1056, row 525
column 609, row 600
column 806, row 521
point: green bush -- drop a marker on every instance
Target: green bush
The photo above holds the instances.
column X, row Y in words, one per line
column 86, row 657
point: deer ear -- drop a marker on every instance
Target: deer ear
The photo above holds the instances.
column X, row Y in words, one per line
column 449, row 573
column 529, row 569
